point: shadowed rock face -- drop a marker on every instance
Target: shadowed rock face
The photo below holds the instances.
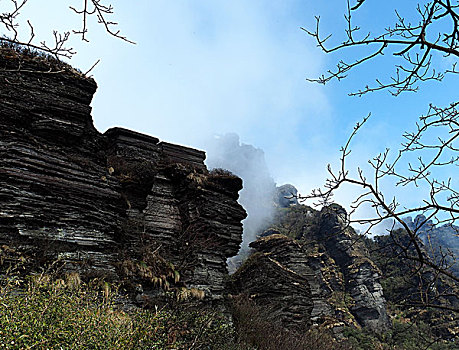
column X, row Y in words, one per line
column 101, row 202
column 294, row 256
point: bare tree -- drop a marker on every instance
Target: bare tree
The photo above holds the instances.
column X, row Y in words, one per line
column 433, row 142
column 414, row 44
column 10, row 23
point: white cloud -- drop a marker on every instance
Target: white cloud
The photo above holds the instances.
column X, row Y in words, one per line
column 206, row 67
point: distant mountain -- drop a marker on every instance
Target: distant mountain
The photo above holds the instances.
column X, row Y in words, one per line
column 408, row 290
column 437, row 239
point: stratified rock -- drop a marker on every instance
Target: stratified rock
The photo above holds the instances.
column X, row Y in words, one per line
column 282, row 293
column 361, row 274
column 298, row 258
column 319, row 247
column 247, row 162
column 121, row 205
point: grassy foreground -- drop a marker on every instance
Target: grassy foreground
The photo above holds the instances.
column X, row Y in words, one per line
column 42, row 313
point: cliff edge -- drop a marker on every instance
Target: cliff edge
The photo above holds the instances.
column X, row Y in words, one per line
column 120, row 205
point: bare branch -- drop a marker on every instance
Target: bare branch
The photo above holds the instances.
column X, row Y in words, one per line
column 9, row 21
column 413, row 44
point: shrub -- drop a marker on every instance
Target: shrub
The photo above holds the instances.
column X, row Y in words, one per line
column 253, row 328
column 52, row 313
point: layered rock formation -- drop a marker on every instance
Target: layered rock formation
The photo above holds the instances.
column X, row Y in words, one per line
column 284, row 294
column 360, row 273
column 340, row 283
column 121, row 204
column 125, row 207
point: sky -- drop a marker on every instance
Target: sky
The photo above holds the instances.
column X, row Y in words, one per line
column 204, row 67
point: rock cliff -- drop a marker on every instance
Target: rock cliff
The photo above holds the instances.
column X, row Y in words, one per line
column 128, row 208
column 341, row 284
column 120, row 205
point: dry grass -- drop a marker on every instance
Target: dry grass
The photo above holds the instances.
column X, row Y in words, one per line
column 44, row 312
column 253, row 327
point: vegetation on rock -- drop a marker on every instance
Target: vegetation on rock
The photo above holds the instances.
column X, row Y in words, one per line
column 306, row 242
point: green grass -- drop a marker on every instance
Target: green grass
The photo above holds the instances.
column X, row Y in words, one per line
column 402, row 336
column 43, row 313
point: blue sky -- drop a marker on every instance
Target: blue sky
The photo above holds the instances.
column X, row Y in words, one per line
column 211, row 66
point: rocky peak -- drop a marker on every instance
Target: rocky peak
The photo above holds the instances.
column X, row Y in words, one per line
column 121, row 205
column 128, row 208
column 318, row 246
column 286, row 196
column 360, row 273
column 419, row 224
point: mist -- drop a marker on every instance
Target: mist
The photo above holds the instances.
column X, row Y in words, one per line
column 248, row 162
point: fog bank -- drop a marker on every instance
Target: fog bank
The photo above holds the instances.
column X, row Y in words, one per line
column 247, row 162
